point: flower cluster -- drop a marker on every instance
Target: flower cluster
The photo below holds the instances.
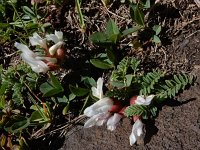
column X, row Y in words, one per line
column 52, row 56
column 138, row 129
column 105, row 110
column 110, row 111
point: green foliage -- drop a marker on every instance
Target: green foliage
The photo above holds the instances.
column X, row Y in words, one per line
column 120, row 94
column 109, row 37
column 102, row 64
column 81, row 20
column 131, row 30
column 24, row 17
column 78, row 91
column 119, row 76
column 137, row 14
column 173, row 86
column 141, row 110
column 52, row 87
column 149, row 81
column 13, row 82
column 127, row 80
column 136, row 110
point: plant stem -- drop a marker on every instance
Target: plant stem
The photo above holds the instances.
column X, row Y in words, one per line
column 33, row 93
column 86, row 100
column 34, row 102
column 82, row 24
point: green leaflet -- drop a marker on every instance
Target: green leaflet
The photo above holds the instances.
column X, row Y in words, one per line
column 149, row 81
column 171, row 87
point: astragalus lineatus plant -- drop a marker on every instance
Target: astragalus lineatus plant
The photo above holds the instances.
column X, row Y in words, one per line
column 49, row 57
column 134, row 94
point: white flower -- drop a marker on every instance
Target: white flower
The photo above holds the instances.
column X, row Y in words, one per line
column 137, row 133
column 144, row 101
column 99, row 112
column 113, row 120
column 57, row 38
column 101, row 106
column 98, row 119
column 98, row 91
column 37, row 40
column 31, row 58
column 49, row 59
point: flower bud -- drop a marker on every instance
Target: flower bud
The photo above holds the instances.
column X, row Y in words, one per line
column 60, row 53
column 52, row 66
column 133, row 99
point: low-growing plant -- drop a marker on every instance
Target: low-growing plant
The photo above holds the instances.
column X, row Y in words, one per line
column 24, row 17
column 112, row 35
column 133, row 93
column 127, row 81
column 108, row 39
column 27, row 103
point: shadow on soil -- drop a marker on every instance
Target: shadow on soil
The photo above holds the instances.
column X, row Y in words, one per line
column 47, row 143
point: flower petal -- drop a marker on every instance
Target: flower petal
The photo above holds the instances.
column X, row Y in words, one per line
column 140, row 100
column 52, row 37
column 112, row 121
column 24, row 49
column 30, row 57
column 98, row 119
column 37, row 40
column 137, row 132
column 132, row 139
column 90, row 122
column 53, row 49
column 49, row 59
column 36, row 65
column 103, row 117
column 149, row 99
column 102, row 105
column 59, row 35
column 98, row 91
column 144, row 101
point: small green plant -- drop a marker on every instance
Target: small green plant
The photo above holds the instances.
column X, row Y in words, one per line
column 14, row 83
column 108, row 39
column 23, row 108
column 127, row 81
column 133, row 93
column 112, row 35
column 24, row 17
column 138, row 11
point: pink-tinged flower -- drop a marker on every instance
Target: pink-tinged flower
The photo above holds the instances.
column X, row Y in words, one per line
column 37, row 40
column 31, row 58
column 113, row 121
column 57, row 38
column 102, row 111
column 141, row 100
column 98, row 91
column 138, row 132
